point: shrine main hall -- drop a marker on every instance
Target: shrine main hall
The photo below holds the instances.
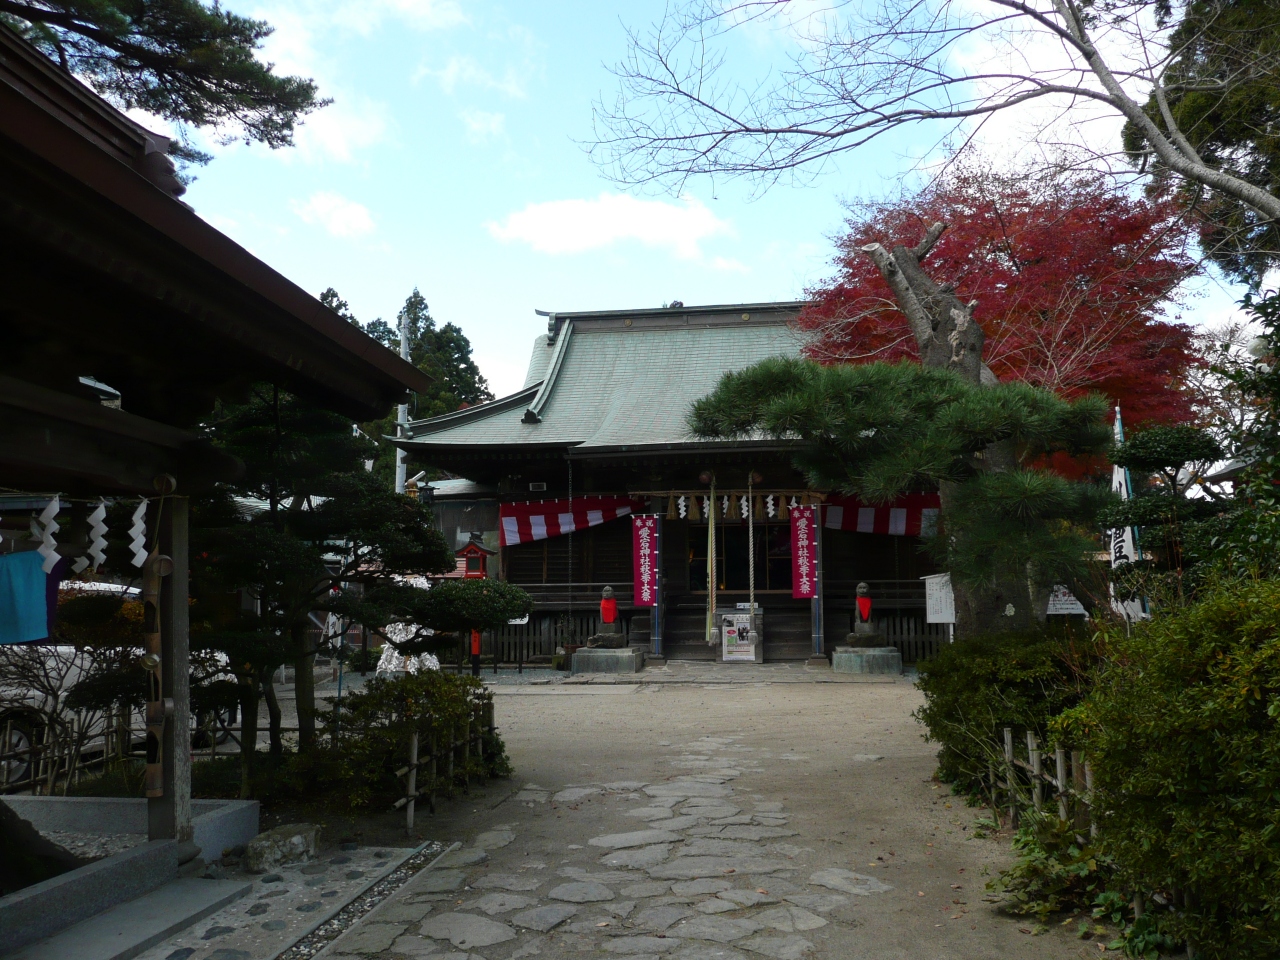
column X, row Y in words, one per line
column 589, row 477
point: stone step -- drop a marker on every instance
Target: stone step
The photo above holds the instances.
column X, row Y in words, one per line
column 126, row 930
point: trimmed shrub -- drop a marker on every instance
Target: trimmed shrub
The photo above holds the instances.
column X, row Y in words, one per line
column 975, row 687
column 354, row 764
column 1182, row 729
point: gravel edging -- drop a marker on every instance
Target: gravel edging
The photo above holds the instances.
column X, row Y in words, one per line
column 317, row 937
column 316, row 941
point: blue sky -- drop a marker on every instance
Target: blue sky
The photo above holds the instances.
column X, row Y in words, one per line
column 450, row 160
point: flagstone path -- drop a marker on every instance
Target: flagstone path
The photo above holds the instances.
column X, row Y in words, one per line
column 708, row 823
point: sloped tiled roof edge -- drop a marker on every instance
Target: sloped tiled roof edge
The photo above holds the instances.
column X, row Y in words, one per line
column 621, row 379
column 534, row 413
column 422, row 428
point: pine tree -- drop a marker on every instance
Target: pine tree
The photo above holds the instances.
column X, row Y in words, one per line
column 444, row 353
column 1008, row 532
column 312, row 524
column 179, row 59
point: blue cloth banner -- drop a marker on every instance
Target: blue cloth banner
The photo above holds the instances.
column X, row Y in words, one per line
column 24, row 598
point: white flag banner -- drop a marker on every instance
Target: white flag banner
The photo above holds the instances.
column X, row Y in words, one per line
column 1124, row 542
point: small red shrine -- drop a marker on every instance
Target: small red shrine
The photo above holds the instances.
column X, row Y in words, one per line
column 473, row 560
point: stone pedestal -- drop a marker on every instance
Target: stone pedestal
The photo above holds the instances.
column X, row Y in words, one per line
column 866, row 660
column 609, row 636
column 608, row 660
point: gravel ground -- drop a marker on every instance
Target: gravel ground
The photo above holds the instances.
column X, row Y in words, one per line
column 718, row 821
column 91, row 846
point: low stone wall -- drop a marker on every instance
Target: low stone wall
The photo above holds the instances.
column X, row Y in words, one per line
column 218, row 824
column 868, row 660
column 608, row 660
column 41, row 910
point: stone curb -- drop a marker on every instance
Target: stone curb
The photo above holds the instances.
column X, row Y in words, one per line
column 392, row 867
column 327, row 949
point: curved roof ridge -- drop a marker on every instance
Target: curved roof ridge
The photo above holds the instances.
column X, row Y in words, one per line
column 534, row 413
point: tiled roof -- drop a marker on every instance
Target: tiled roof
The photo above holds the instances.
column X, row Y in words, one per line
column 626, row 378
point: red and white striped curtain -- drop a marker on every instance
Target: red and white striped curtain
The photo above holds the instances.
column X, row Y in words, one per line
column 544, row 519
column 912, row 515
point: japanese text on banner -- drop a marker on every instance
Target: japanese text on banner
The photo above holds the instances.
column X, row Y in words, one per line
column 804, row 556
column 644, row 537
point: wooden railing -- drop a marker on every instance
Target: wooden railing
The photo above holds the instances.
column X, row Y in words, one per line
column 896, row 593
column 44, row 762
column 584, row 595
column 441, row 758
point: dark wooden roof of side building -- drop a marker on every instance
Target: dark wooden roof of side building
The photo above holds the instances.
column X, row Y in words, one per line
column 109, row 275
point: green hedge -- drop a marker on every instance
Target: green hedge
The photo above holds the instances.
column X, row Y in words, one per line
column 1183, row 732
column 973, row 688
column 354, row 764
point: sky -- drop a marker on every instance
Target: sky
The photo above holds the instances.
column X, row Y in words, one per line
column 452, row 160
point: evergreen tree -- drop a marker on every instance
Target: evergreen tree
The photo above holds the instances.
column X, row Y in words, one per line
column 1222, row 91
column 1174, row 528
column 313, row 525
column 443, row 353
column 179, row 59
column 1008, row 531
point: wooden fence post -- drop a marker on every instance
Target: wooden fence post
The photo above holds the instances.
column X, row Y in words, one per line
column 1078, row 789
column 1088, row 788
column 435, row 750
column 1037, row 785
column 1060, row 762
column 1008, row 777
column 452, row 738
column 412, row 792
column 466, row 754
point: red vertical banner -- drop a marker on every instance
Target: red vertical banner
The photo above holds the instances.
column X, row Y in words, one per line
column 804, row 554
column 644, row 553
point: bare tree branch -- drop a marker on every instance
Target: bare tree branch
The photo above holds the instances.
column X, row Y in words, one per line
column 866, row 69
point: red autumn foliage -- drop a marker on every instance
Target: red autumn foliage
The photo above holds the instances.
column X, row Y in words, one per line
column 1069, row 278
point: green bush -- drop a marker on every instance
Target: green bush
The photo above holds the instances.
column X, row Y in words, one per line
column 975, row 687
column 354, row 764
column 368, row 740
column 1182, row 729
column 1054, row 871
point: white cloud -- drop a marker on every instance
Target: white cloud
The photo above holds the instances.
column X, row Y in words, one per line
column 342, row 128
column 338, row 215
column 466, row 72
column 728, row 265
column 574, row 226
column 482, row 126
column 366, row 15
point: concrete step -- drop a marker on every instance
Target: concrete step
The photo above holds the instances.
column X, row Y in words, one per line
column 126, row 930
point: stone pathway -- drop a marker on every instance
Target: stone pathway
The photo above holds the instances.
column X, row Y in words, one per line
column 283, row 906
column 693, row 867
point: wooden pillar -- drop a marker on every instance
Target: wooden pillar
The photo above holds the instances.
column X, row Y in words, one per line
column 169, row 816
column 659, row 601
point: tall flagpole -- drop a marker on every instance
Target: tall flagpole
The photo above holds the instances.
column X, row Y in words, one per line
column 402, row 415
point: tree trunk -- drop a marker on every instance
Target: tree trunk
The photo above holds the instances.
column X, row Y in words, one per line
column 304, row 687
column 948, row 337
column 248, row 734
column 273, row 712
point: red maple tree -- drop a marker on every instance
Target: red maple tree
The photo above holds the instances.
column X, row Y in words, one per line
column 1069, row 276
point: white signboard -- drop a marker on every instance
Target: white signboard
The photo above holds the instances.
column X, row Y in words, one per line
column 939, row 601
column 735, row 635
column 1062, row 601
